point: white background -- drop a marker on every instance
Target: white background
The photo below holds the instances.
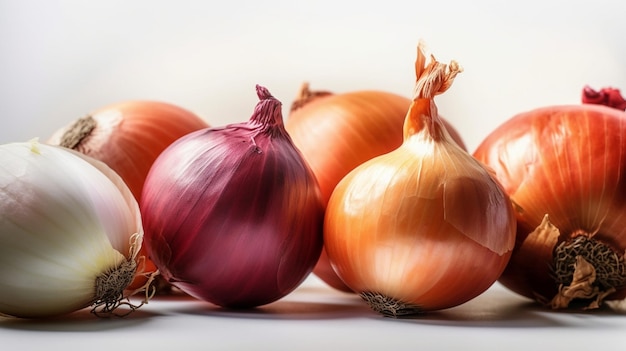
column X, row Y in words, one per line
column 63, row 59
column 60, row 60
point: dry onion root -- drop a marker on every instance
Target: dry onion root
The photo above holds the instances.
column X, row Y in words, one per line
column 112, row 286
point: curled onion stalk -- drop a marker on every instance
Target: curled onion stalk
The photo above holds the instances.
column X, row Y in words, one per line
column 338, row 132
column 233, row 215
column 564, row 167
column 425, row 226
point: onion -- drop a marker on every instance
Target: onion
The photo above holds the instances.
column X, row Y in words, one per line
column 337, row 132
column 70, row 232
column 425, row 226
column 128, row 137
column 564, row 167
column 233, row 215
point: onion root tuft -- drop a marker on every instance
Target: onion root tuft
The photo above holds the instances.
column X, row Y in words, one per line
column 387, row 306
column 586, row 269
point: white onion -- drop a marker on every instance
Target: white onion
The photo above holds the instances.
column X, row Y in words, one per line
column 66, row 223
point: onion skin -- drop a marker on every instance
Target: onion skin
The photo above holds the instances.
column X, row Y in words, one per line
column 128, row 137
column 70, row 231
column 234, row 215
column 424, row 227
column 567, row 162
column 338, row 132
column 431, row 264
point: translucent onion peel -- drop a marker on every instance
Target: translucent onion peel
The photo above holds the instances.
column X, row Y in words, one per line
column 563, row 167
column 425, row 226
column 70, row 233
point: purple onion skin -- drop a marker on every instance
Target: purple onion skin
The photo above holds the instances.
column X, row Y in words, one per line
column 234, row 215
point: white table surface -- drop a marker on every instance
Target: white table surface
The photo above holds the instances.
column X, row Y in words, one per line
column 317, row 317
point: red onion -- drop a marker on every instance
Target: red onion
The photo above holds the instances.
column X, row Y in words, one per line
column 233, row 215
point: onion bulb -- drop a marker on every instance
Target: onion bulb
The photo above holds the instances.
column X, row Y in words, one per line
column 337, row 132
column 425, row 226
column 564, row 167
column 70, row 232
column 233, row 215
column 128, row 136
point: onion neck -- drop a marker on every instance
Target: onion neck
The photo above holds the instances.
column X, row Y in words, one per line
column 432, row 78
column 423, row 117
column 78, row 132
column 267, row 113
column 306, row 96
column 610, row 97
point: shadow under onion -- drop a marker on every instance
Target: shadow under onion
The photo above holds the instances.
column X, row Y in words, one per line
column 79, row 321
column 498, row 309
column 305, row 307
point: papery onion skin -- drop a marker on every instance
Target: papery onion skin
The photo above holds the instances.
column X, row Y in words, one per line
column 233, row 215
column 405, row 249
column 65, row 221
column 566, row 162
column 425, row 226
column 337, row 132
column 128, row 137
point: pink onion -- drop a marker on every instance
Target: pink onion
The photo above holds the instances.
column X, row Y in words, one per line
column 233, row 215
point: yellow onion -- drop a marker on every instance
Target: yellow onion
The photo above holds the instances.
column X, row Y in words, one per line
column 337, row 132
column 425, row 226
